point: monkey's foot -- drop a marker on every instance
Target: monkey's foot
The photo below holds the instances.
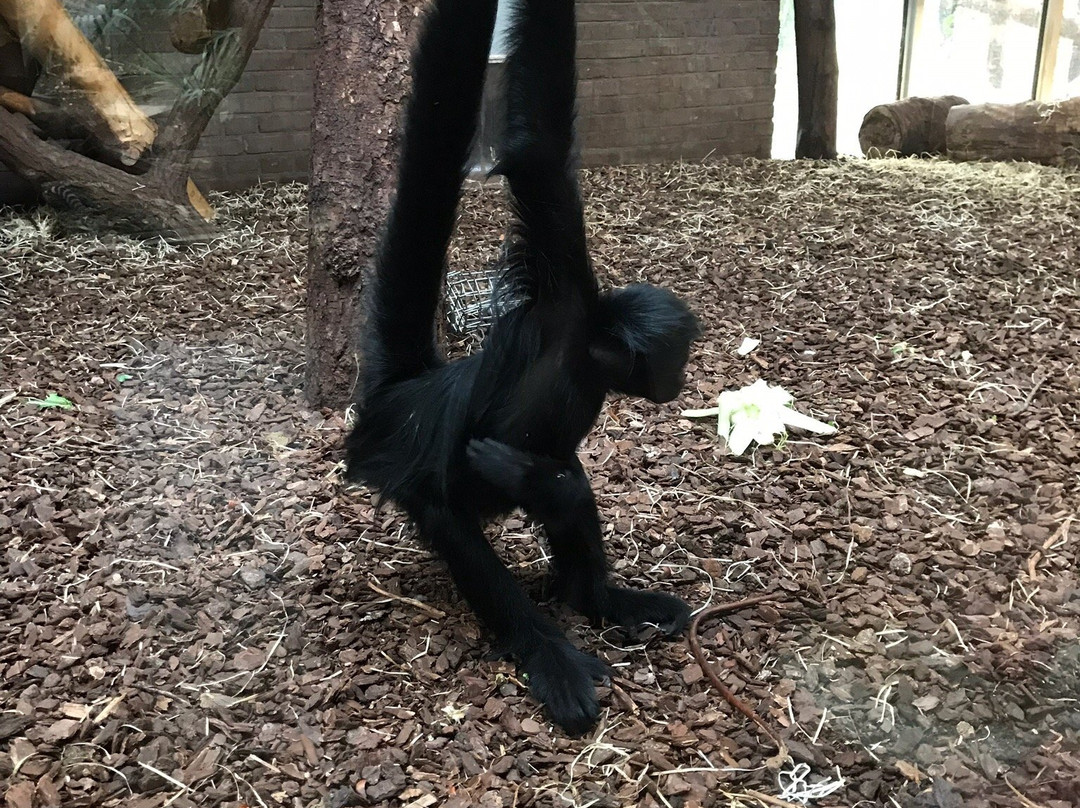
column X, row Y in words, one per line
column 633, row 608
column 616, row 605
column 561, row 678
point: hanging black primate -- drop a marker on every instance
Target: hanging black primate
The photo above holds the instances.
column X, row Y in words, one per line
column 458, row 443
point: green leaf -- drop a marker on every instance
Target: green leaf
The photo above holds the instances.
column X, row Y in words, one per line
column 123, row 377
column 51, row 402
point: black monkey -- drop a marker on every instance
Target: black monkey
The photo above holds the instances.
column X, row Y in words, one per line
column 457, row 443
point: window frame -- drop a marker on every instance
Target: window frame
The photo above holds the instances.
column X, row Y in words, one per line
column 1050, row 24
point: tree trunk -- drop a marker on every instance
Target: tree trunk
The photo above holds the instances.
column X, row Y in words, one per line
column 815, row 53
column 221, row 67
column 1040, row 133
column 360, row 82
column 18, row 73
column 906, row 128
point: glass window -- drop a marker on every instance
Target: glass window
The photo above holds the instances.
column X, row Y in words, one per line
column 786, row 98
column 499, row 43
column 1066, row 82
column 868, row 55
column 983, row 50
column 868, row 52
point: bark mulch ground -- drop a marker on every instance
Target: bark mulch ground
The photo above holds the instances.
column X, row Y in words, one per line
column 196, row 611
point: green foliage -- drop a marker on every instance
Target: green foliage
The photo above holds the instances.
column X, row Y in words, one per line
column 51, row 402
column 127, row 34
column 203, row 85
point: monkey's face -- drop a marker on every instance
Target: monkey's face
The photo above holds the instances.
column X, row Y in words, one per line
column 645, row 341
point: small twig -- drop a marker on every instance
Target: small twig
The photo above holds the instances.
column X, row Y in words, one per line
column 1023, row 800
column 1029, row 397
column 107, row 710
column 625, row 698
column 428, row 610
column 1061, row 534
column 765, row 798
column 956, row 633
column 706, row 668
column 270, row 653
column 162, row 775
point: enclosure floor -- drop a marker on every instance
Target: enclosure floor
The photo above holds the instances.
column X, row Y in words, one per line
column 196, row 610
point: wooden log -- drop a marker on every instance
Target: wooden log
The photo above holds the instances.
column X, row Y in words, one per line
column 815, row 55
column 46, row 31
column 1033, row 131
column 906, row 128
column 64, row 123
column 57, row 123
column 138, row 206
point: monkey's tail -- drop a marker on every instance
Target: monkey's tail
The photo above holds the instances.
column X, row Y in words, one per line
column 448, row 66
column 538, row 154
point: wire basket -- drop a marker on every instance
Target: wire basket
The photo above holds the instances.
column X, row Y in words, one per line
column 475, row 297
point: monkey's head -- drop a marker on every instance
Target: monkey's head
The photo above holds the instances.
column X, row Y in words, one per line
column 644, row 341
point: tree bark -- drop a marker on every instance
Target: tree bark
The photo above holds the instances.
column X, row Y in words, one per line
column 1040, row 133
column 60, row 123
column 815, row 54
column 906, row 128
column 360, row 82
column 18, row 73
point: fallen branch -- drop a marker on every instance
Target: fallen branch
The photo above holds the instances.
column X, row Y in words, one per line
column 1033, row 131
column 1061, row 534
column 725, row 691
column 419, row 604
column 136, row 204
column 59, row 123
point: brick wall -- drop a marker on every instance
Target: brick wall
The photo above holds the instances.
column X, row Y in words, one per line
column 660, row 80
column 669, row 79
column 262, row 129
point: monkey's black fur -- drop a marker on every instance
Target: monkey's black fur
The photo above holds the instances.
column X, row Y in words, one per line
column 457, row 443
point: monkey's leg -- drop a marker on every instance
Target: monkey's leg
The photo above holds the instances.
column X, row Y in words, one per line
column 560, row 676
column 560, row 497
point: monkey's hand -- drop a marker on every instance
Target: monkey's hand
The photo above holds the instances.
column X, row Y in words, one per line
column 529, row 478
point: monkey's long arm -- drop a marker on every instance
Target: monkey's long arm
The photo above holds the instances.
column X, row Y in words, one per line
column 537, row 154
column 448, row 69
